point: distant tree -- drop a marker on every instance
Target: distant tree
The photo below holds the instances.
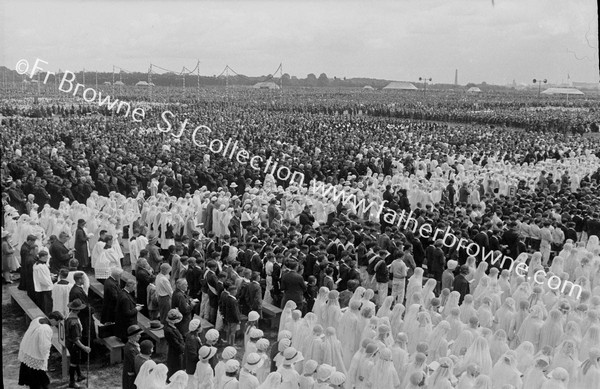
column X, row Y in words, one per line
column 285, row 79
column 323, row 80
column 311, row 80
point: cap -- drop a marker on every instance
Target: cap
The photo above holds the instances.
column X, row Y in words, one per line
column 231, row 366
column 324, row 372
column 212, row 335
column 337, row 378
column 253, row 362
column 310, row 366
column 134, row 329
column 253, row 316
column 256, row 333
column 174, row 316
column 452, row 264
column 291, row 356
column 205, row 353
column 229, row 352
column 262, row 344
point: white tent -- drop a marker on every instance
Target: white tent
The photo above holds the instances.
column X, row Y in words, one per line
column 266, row 85
column 368, row 87
column 119, row 83
column 141, row 83
column 562, row 91
column 107, row 83
column 473, row 89
column 400, row 85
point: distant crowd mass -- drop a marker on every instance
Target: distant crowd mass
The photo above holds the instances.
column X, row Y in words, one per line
column 258, row 282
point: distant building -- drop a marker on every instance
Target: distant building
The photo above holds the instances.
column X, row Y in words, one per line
column 562, row 91
column 400, row 85
column 266, row 85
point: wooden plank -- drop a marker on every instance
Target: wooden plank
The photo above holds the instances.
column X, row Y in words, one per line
column 97, row 287
column 273, row 312
column 115, row 348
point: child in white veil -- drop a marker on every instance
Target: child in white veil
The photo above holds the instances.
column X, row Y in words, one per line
column 141, row 381
column 273, row 381
column 552, row 330
column 531, row 327
column 479, row 354
column 590, row 340
column 320, row 304
column 565, row 358
column 535, row 377
column 505, row 372
column 348, row 332
column 559, row 379
column 588, row 374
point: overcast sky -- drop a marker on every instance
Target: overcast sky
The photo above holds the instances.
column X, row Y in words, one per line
column 397, row 40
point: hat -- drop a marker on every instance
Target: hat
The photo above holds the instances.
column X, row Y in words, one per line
column 262, row 344
column 253, row 316
column 255, row 333
column 231, row 366
column 324, row 372
column 29, row 237
column 337, row 378
column 253, row 362
column 310, row 366
column 291, row 356
column 174, row 316
column 452, row 264
column 212, row 335
column 284, row 334
column 230, row 352
column 194, row 324
column 76, row 305
column 284, row 344
column 146, row 347
column 233, row 185
column 134, row 329
column 205, row 353
column 155, row 325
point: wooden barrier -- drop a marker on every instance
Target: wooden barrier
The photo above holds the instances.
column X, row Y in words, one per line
column 32, row 311
column 273, row 312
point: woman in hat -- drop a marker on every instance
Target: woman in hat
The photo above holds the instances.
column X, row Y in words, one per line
column 73, row 335
column 130, row 351
column 81, row 245
column 248, row 378
column 204, row 377
column 174, row 341
column 192, row 346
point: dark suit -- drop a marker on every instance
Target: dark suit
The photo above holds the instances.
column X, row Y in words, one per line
column 126, row 314
column 461, row 285
column 129, row 353
column 144, row 278
column 176, row 348
column 511, row 239
column 109, row 304
column 81, row 248
column 254, row 297
column 293, row 287
column 59, row 256
column 181, row 301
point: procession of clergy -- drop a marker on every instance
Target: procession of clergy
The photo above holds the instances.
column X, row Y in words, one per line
column 504, row 331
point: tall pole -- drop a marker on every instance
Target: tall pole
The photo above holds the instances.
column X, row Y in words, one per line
column 198, row 74
column 96, row 80
column 150, row 80
column 113, row 81
column 83, row 76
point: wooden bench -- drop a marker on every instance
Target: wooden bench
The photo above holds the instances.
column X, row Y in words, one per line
column 158, row 336
column 115, row 348
column 32, row 311
column 273, row 312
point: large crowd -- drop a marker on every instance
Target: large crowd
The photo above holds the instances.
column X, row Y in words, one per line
column 215, row 246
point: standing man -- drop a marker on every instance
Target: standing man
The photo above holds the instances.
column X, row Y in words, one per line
column 461, row 285
column 398, row 270
column 126, row 310
column 130, row 352
column 112, row 289
column 436, row 263
column 164, row 291
column 59, row 253
column 175, row 342
column 74, row 335
column 306, row 219
column 34, row 351
column 184, row 304
column 451, row 193
column 293, row 286
column 81, row 245
column 78, row 293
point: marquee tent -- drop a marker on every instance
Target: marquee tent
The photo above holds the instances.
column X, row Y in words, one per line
column 400, row 85
column 562, row 91
column 265, row 85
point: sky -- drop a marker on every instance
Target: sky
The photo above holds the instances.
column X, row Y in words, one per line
column 396, row 40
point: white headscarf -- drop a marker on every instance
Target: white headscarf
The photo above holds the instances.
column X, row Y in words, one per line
column 142, row 379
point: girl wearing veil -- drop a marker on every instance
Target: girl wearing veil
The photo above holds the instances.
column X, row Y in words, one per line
column 552, row 330
column 440, row 379
column 437, row 343
column 565, row 358
column 498, row 345
column 461, row 344
column 418, row 365
column 332, row 312
column 505, row 372
column 535, row 376
column 286, row 315
column 273, row 381
column 415, row 283
column 559, row 379
column 427, row 292
column 396, row 318
column 590, row 340
column 505, row 314
column 531, row 327
column 400, row 352
column 304, row 332
column 320, row 304
column 356, row 358
column 479, row 354
column 179, row 380
column 332, row 351
column 386, row 308
column 367, row 300
column 142, row 379
column 384, row 374
column 348, row 332
column 467, row 309
column 525, row 356
column 588, row 374
column 451, row 303
column 158, row 378
column 420, row 333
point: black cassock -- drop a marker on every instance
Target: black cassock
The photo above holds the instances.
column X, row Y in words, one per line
column 84, row 315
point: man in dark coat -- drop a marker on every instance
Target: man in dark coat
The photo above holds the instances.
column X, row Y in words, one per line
column 59, row 253
column 174, row 341
column 461, row 285
column 112, row 290
column 81, row 245
column 130, row 352
column 306, row 219
column 144, row 277
column 184, row 304
column 510, row 238
column 84, row 315
column 126, row 310
column 293, row 286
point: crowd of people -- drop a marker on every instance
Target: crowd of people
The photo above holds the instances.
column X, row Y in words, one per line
column 367, row 302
